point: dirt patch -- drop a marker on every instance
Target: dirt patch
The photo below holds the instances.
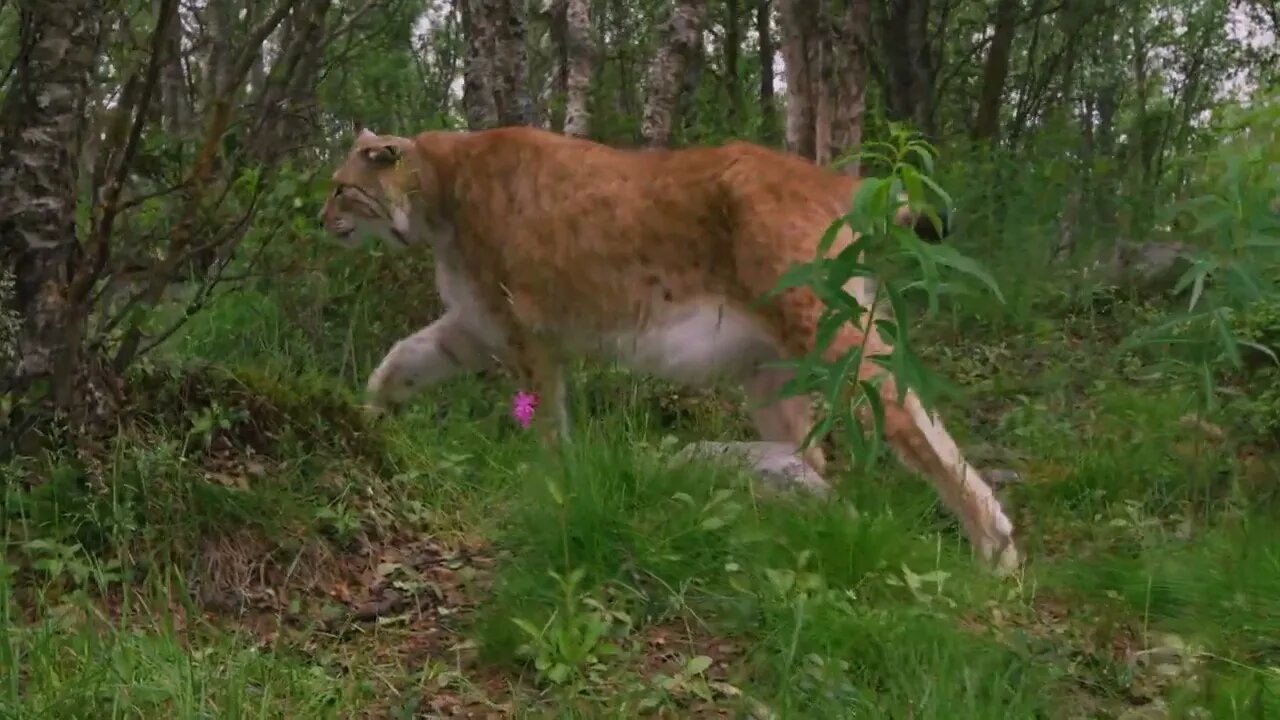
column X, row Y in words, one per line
column 393, row 610
column 668, row 650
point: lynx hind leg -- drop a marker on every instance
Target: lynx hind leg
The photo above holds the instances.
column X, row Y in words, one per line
column 781, row 419
column 924, row 445
column 433, row 354
column 920, row 442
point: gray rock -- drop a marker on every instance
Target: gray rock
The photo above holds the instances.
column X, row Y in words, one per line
column 1152, row 267
column 777, row 463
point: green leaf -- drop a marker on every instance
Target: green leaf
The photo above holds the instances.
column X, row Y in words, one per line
column 1199, row 266
column 1228, row 340
column 915, row 190
column 848, row 363
column 1249, row 280
column 943, row 196
column 829, row 237
column 712, row 523
column 1196, row 289
column 872, row 394
column 797, row 275
column 1258, row 240
column 698, row 665
column 867, row 198
column 949, row 256
column 926, row 158
column 1260, row 348
column 529, row 628
column 556, row 494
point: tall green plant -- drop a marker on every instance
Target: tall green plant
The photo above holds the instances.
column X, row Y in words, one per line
column 1235, row 216
column 901, row 167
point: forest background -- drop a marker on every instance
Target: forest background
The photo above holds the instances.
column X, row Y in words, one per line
column 198, row 521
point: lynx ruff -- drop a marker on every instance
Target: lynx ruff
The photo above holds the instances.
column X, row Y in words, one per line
column 548, row 247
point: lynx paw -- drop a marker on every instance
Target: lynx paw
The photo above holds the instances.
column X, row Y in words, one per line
column 1000, row 553
column 378, row 402
column 374, row 412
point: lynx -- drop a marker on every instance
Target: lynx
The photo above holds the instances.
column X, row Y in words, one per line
column 549, row 248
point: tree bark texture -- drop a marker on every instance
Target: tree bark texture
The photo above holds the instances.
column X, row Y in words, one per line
column 679, row 39
column 825, row 50
column 986, row 124
column 175, row 102
column 43, row 121
column 764, row 30
column 495, row 77
column 478, row 71
column 732, row 50
column 286, row 103
column 219, row 19
column 579, row 54
column 799, row 25
column 907, row 53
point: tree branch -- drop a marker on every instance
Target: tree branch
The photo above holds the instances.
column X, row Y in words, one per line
column 101, row 248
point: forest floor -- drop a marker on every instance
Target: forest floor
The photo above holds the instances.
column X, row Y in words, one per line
column 249, row 547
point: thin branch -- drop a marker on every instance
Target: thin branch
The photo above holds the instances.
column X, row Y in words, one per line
column 253, row 46
column 134, row 202
column 101, row 249
column 349, row 23
column 20, row 56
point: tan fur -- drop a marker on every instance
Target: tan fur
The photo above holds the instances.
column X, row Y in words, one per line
column 549, row 248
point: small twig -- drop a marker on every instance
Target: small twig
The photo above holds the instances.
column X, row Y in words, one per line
column 134, row 202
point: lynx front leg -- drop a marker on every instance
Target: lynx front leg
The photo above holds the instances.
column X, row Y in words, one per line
column 433, row 354
column 541, row 371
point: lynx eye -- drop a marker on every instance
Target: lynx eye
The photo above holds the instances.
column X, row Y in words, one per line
column 337, row 190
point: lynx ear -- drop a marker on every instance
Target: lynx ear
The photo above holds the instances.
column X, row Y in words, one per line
column 386, row 154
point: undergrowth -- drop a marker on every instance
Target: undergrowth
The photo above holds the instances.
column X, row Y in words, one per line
column 248, row 544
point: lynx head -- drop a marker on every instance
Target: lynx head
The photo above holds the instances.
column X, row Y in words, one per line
column 372, row 192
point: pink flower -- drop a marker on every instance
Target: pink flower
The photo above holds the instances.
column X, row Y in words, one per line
column 522, row 407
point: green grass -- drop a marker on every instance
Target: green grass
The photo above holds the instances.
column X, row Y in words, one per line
column 198, row 565
column 77, row 665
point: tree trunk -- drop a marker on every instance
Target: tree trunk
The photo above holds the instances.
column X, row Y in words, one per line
column 906, row 53
column 732, row 49
column 579, row 51
column 798, row 20
column 287, row 101
column 511, row 62
column 986, row 124
column 686, row 114
column 220, row 21
column 680, row 39
column 768, row 112
column 478, row 72
column 825, row 52
column 495, row 77
column 43, row 122
column 174, row 103
column 257, row 71
column 848, row 50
